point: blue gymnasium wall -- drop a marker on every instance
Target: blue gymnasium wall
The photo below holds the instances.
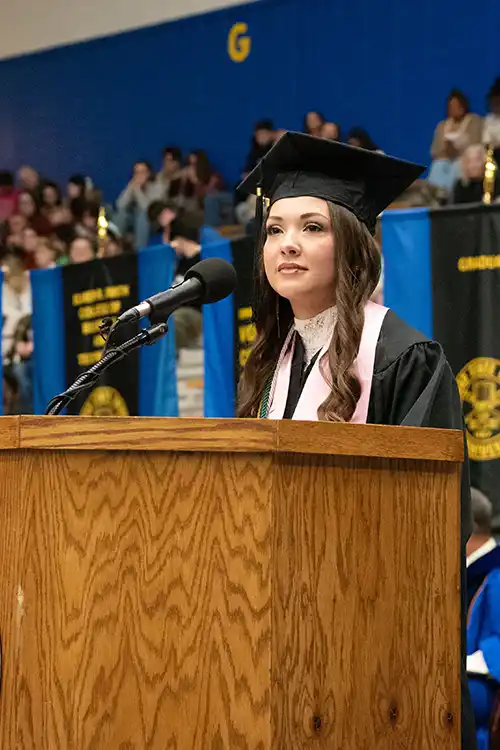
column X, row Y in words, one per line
column 387, row 65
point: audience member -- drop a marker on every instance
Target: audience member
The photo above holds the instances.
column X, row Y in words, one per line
column 207, row 186
column 133, row 202
column 460, row 129
column 469, row 187
column 21, row 365
column 76, row 188
column 314, row 123
column 331, row 131
column 45, row 254
column 360, row 138
column 264, row 136
column 170, row 173
column 491, row 129
column 51, row 199
column 12, row 230
column 28, row 179
column 8, row 195
column 29, row 244
column 483, row 628
column 29, row 209
column 171, row 228
column 16, row 300
column 82, row 250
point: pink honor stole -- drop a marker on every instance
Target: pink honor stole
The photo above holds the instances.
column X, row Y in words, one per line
column 316, row 389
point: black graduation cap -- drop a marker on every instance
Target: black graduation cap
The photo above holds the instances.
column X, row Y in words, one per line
column 365, row 182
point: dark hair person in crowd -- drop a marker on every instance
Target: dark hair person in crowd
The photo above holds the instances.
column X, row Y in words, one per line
column 360, row 137
column 324, row 350
column 313, row 123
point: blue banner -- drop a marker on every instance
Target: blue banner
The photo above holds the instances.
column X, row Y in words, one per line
column 56, row 326
column 406, row 247
column 218, row 342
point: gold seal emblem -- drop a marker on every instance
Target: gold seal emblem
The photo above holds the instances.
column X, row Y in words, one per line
column 479, row 386
column 104, row 402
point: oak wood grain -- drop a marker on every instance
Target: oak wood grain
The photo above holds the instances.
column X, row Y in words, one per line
column 377, row 441
column 365, row 631
column 146, row 597
column 148, row 434
column 241, row 436
column 9, row 432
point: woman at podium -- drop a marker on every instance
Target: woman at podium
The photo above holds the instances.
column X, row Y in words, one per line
column 323, row 350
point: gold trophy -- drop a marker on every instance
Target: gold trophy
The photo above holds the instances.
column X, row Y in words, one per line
column 102, row 232
column 490, row 169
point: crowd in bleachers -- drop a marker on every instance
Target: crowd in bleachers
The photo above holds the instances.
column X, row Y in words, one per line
column 43, row 225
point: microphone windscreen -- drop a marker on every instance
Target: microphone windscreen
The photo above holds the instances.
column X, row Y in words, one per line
column 217, row 276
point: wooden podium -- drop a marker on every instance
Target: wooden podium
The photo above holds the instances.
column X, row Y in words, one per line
column 172, row 584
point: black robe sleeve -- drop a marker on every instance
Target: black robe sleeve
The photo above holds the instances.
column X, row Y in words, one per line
column 413, row 385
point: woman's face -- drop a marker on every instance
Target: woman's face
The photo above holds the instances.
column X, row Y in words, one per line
column 50, row 196
column 81, row 251
column 74, row 190
column 44, row 255
column 299, row 254
column 30, row 240
column 456, row 109
column 314, row 122
column 17, row 223
column 27, row 205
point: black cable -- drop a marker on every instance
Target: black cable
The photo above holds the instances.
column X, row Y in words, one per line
column 145, row 337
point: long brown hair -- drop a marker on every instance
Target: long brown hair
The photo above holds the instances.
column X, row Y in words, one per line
column 357, row 266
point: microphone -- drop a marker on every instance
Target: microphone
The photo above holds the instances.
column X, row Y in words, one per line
column 208, row 281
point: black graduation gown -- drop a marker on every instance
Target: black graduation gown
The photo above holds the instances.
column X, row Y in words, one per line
column 413, row 385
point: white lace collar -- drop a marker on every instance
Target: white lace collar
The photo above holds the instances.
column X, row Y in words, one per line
column 316, row 332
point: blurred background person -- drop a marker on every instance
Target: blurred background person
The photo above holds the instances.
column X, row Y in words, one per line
column 314, row 123
column 483, row 627
column 82, row 250
column 29, row 208
column 469, row 186
column 133, row 202
column 460, row 129
column 360, row 138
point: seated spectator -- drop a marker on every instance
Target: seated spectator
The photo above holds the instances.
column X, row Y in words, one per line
column 114, row 246
column 451, row 137
column 45, row 254
column 19, row 360
column 8, row 195
column 76, row 188
column 469, row 187
column 51, row 199
column 170, row 172
column 491, row 128
column 29, row 209
column 360, row 138
column 171, row 227
column 12, row 231
column 133, row 203
column 483, row 628
column 331, row 131
column 314, row 123
column 206, row 186
column 16, row 300
column 29, row 245
column 28, row 180
column 264, row 136
column 82, row 250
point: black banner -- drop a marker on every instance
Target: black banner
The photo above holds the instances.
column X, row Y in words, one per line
column 91, row 292
column 243, row 260
column 465, row 248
